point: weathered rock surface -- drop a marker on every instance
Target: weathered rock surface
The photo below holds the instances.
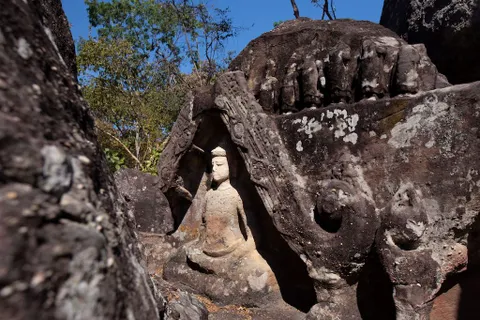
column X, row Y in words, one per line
column 449, row 29
column 57, row 27
column 67, row 245
column 367, row 210
column 309, row 63
column 184, row 306
column 146, row 201
column 378, row 198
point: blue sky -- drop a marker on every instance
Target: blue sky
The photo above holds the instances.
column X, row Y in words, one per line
column 254, row 16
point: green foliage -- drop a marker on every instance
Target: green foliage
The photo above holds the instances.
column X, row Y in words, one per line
column 114, row 159
column 277, row 23
column 131, row 71
column 152, row 162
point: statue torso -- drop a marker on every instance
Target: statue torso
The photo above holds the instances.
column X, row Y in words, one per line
column 223, row 231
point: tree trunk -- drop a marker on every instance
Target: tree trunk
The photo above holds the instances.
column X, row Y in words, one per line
column 326, row 10
column 296, row 13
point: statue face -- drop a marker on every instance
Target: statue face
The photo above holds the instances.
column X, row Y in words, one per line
column 220, row 170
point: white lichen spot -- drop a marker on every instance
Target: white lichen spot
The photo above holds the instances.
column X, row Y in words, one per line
column 308, row 126
column 424, row 119
column 351, row 137
column 23, row 48
column 340, row 129
column 344, row 123
column 412, row 77
column 372, row 134
column 352, row 122
column 403, row 133
column 340, row 113
column 323, row 81
column 36, row 89
column 6, row 291
column 383, row 136
column 299, row 146
column 430, row 143
column 372, row 84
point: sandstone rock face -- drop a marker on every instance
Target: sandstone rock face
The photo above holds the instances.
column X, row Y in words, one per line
column 306, row 63
column 362, row 209
column 185, row 307
column 146, row 201
column 67, row 246
column 377, row 201
column 450, row 31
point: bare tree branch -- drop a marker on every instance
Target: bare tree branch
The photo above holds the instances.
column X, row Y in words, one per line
column 327, row 9
column 123, row 146
column 333, row 10
column 296, row 13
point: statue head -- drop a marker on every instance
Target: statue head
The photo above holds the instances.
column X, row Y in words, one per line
column 220, row 170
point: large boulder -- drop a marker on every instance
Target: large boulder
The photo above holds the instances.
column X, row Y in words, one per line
column 68, row 249
column 184, row 306
column 147, row 202
column 374, row 204
column 450, row 31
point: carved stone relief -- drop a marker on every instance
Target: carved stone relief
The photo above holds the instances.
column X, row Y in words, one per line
column 359, row 195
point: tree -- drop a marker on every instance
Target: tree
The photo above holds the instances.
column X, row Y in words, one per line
column 327, row 8
column 296, row 13
column 132, row 70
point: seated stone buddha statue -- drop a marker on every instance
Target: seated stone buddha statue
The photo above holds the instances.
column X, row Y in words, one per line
column 224, row 228
column 224, row 219
column 223, row 262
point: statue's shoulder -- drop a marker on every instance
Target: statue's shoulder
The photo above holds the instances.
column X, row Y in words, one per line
column 210, row 192
column 234, row 193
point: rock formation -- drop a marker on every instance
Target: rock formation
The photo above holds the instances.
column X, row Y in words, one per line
column 145, row 200
column 450, row 31
column 67, row 246
column 373, row 202
column 346, row 186
column 304, row 63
